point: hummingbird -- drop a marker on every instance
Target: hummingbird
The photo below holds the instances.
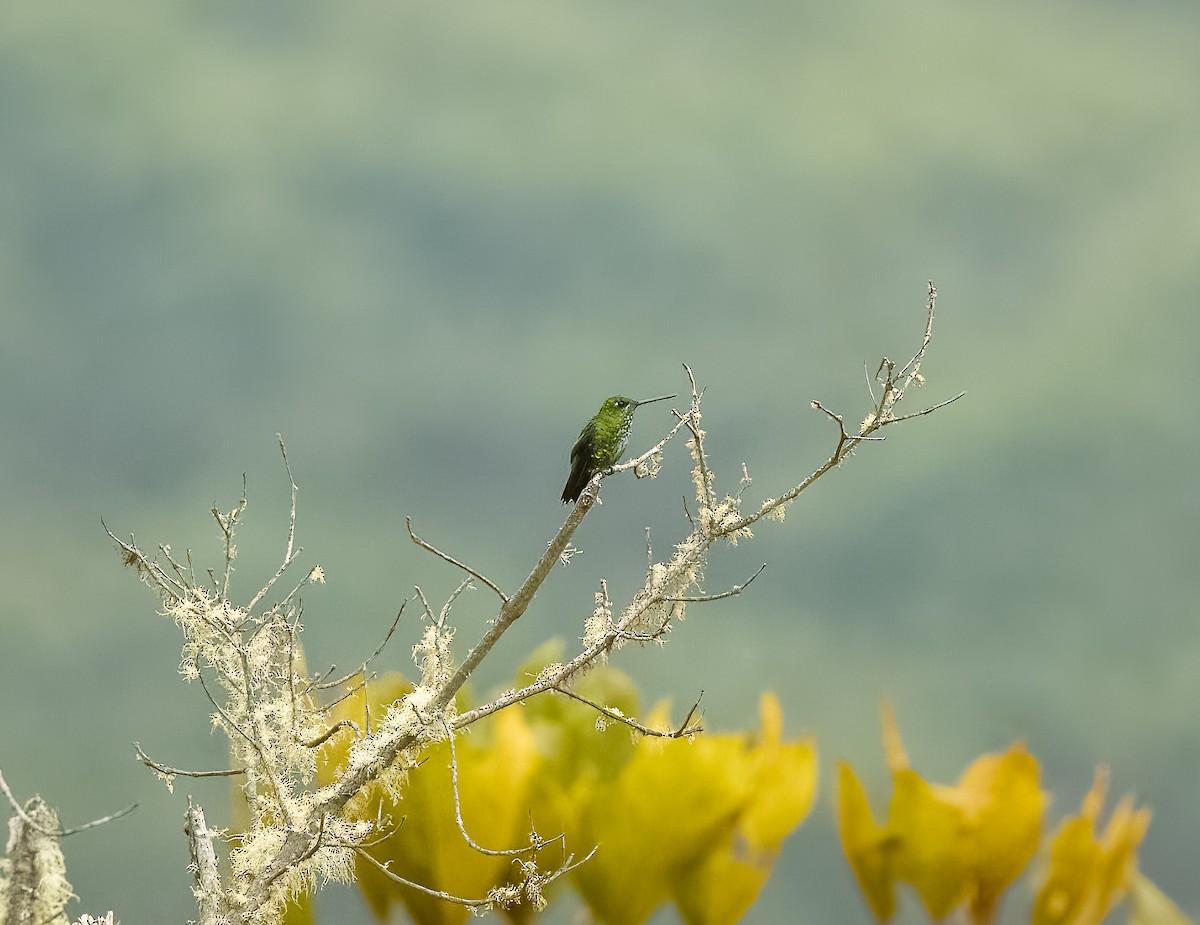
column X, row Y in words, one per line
column 601, row 442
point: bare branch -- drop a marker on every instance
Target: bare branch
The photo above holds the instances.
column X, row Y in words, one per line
column 60, row 832
column 894, row 386
column 569, row 865
column 429, row 547
column 841, row 423
column 362, row 668
column 228, row 524
column 176, row 567
column 444, row 613
column 103, row 820
column 485, row 903
column 699, row 456
column 732, row 592
column 179, row 772
column 429, row 615
column 290, row 553
column 204, row 865
column 910, row 369
column 315, row 575
column 350, row 692
column 921, row 413
column 149, row 570
column 683, row 731
column 319, row 682
column 329, row 733
column 458, row 816
column 515, row 606
column 229, row 720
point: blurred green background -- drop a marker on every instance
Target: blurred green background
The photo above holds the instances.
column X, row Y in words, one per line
column 424, row 241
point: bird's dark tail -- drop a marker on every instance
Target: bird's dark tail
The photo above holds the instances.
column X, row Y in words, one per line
column 576, row 483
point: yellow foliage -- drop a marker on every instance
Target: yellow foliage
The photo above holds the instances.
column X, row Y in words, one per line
column 867, row 846
column 425, row 844
column 933, row 843
column 1088, row 874
column 698, row 822
column 959, row 845
column 783, row 784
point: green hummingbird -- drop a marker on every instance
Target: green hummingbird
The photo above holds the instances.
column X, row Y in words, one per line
column 601, row 442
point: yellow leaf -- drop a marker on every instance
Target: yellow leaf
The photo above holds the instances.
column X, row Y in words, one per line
column 1003, row 804
column 1087, row 875
column 866, row 845
column 720, row 889
column 933, row 852
column 961, row 844
column 785, row 785
column 666, row 808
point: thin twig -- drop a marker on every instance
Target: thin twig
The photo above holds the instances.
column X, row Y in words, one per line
column 917, row 414
column 175, row 566
column 328, row 734
column 60, row 833
column 315, row 574
column 458, row 816
column 439, row 894
column 701, row 458
column 683, row 731
column 350, row 692
column 512, row 609
column 444, row 613
column 229, row 721
column 148, row 569
column 101, row 821
column 290, row 553
column 894, row 387
column 424, row 604
column 705, row 598
column 228, row 524
column 317, row 682
column 910, row 369
column 569, row 865
column 179, row 772
column 629, row 636
column 362, row 668
column 429, row 547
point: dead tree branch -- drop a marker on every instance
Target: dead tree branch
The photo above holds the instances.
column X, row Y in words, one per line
column 267, row 705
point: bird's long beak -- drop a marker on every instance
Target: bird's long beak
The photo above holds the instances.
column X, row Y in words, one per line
column 660, row 398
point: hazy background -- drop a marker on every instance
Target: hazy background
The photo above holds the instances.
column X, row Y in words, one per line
column 425, row 241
